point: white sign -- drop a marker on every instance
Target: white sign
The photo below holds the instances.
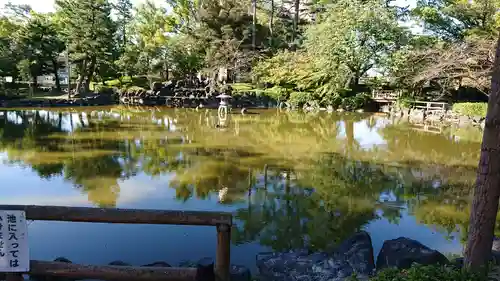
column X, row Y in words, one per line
column 14, row 250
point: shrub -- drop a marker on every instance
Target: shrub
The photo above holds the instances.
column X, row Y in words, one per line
column 427, row 273
column 98, row 88
column 298, row 99
column 355, row 102
column 471, row 109
column 405, row 102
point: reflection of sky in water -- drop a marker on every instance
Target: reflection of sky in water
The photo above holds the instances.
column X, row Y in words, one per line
column 141, row 244
column 366, row 137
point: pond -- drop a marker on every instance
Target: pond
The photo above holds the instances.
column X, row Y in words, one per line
column 292, row 181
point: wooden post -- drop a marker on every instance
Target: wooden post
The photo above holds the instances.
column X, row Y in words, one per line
column 223, row 259
column 14, row 277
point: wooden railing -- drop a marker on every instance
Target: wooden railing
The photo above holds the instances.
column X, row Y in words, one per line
column 223, row 222
column 430, row 106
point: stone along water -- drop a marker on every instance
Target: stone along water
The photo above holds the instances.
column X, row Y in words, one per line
column 292, row 181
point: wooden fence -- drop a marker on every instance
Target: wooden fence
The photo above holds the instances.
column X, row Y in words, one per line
column 222, row 221
column 431, row 107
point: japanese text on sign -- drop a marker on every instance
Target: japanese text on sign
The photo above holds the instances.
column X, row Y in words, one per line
column 14, row 250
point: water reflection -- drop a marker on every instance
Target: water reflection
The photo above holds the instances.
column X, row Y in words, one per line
column 292, row 180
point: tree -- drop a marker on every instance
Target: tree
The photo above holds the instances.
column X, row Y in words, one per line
column 123, row 10
column 352, row 38
column 254, row 23
column 87, row 27
column 185, row 12
column 8, row 54
column 296, row 18
column 455, row 19
column 487, row 191
column 355, row 37
column 151, row 28
column 40, row 45
column 445, row 66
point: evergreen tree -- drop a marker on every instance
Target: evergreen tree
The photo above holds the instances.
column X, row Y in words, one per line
column 88, row 29
column 123, row 10
column 39, row 44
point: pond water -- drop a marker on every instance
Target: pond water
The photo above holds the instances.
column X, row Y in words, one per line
column 292, row 181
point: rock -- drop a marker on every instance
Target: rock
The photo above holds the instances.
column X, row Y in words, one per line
column 157, row 86
column 62, row 259
column 457, row 263
column 119, row 263
column 49, row 278
column 157, row 264
column 496, row 244
column 240, row 273
column 354, row 255
column 205, row 268
column 403, row 252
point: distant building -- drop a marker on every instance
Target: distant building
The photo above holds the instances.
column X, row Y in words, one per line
column 50, row 80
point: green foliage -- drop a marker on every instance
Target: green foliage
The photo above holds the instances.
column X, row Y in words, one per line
column 472, row 109
column 353, row 38
column 457, row 50
column 355, row 102
column 456, row 19
column 405, row 102
column 428, row 273
column 87, row 27
column 39, row 44
column 184, row 55
column 350, row 39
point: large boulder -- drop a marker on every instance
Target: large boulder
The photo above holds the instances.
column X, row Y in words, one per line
column 354, row 255
column 205, row 268
column 403, row 252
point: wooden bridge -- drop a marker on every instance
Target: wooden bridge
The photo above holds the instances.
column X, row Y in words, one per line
column 222, row 221
column 429, row 107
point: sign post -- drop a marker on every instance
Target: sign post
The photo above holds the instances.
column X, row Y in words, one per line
column 14, row 250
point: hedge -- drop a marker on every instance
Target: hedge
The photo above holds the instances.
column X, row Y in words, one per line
column 471, row 109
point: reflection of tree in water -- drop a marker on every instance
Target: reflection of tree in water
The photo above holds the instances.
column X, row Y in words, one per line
column 288, row 216
column 347, row 179
column 97, row 176
column 211, row 170
column 26, row 136
column 292, row 216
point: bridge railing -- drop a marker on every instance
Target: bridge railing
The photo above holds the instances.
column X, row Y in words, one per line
column 222, row 221
column 430, row 106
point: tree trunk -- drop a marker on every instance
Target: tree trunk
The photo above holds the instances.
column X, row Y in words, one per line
column 295, row 22
column 254, row 24
column 81, row 76
column 55, row 66
column 271, row 23
column 90, row 74
column 487, row 192
column 34, row 84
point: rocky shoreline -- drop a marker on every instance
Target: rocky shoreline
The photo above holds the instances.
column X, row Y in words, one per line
column 354, row 256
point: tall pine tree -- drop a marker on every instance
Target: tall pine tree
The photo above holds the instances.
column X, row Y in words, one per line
column 88, row 31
